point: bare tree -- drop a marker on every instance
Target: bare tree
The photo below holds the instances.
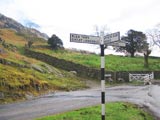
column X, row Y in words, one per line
column 146, row 52
column 154, row 36
column 101, row 30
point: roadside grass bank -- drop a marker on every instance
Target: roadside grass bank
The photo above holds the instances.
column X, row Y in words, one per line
column 114, row 111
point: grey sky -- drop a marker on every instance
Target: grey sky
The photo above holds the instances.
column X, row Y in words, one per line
column 62, row 17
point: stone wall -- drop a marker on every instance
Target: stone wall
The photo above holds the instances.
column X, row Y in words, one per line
column 84, row 71
column 14, row 64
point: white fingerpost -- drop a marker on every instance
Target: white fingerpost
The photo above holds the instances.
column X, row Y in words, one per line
column 102, row 77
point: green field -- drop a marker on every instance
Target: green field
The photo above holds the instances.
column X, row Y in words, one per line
column 115, row 111
column 113, row 63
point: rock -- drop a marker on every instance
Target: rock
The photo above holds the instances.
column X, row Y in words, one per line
column 110, row 80
column 2, row 51
column 48, row 69
column 51, row 69
column 37, row 68
column 73, row 72
column 1, row 95
column 29, row 96
column 120, row 80
column 147, row 82
column 1, row 40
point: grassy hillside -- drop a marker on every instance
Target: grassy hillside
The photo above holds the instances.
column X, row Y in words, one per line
column 19, row 39
column 16, row 83
column 22, row 77
column 113, row 63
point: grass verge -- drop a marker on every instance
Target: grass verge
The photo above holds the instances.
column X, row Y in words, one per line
column 115, row 111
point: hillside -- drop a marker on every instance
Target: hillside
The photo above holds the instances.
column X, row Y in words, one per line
column 22, row 77
column 6, row 22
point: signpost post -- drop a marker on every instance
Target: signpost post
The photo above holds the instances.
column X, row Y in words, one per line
column 109, row 39
column 102, row 78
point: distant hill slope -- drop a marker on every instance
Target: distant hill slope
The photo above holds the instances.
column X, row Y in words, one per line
column 6, row 22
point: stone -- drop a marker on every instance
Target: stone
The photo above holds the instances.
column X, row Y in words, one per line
column 37, row 68
column 2, row 51
column 73, row 72
column 29, row 96
column 110, row 80
column 120, row 80
column 147, row 81
column 1, row 95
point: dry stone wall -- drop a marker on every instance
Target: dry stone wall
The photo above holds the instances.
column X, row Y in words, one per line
column 84, row 71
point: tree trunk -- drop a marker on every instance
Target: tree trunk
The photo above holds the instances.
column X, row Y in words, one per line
column 146, row 60
column 132, row 54
column 146, row 55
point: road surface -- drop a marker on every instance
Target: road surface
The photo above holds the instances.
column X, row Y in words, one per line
column 148, row 96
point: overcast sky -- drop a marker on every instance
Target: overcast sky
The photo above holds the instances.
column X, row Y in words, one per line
column 62, row 17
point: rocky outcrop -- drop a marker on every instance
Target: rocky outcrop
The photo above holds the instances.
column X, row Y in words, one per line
column 6, row 22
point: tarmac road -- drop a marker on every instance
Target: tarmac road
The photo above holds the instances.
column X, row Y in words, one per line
column 148, row 96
